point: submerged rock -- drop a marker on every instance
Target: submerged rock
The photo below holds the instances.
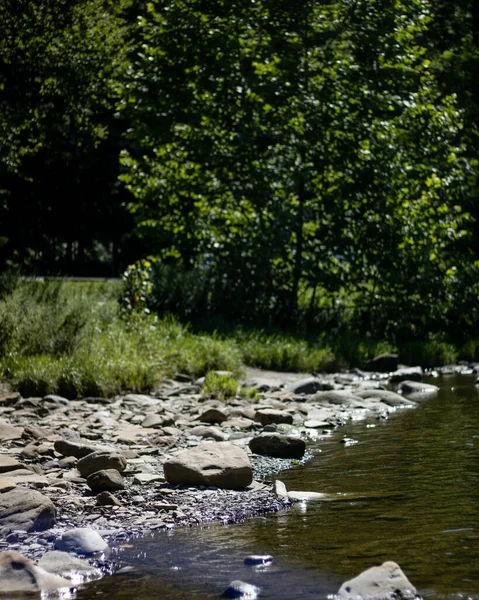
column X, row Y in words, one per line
column 240, row 589
column 417, row 388
column 384, row 582
column 68, row 566
column 20, row 574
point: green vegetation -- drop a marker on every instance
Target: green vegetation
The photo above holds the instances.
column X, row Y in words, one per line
column 70, row 338
column 220, row 385
column 298, row 187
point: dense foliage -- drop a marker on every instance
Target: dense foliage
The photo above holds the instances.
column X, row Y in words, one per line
column 303, row 164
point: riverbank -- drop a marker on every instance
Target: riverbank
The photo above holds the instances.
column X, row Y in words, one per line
column 44, row 439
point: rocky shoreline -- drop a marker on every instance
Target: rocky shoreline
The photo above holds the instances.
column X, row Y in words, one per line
column 119, row 466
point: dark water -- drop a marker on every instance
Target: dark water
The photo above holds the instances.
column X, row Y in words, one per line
column 408, row 492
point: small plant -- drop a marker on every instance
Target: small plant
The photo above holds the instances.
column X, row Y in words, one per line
column 219, row 385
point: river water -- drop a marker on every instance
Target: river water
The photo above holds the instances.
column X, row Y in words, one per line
column 407, row 491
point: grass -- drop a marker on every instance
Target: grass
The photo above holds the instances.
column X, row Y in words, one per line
column 68, row 338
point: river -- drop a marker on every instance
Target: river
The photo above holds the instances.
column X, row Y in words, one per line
column 407, row 490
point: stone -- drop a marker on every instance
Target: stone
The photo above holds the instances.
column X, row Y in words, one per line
column 405, row 373
column 384, row 363
column 417, row 389
column 280, row 489
column 156, row 421
column 20, row 574
column 6, row 485
column 209, row 431
column 309, row 385
column 7, row 463
column 385, row 396
column 8, row 432
column 58, row 400
column 83, row 541
column 106, row 480
column 258, row 559
column 107, row 499
column 385, row 581
column 100, row 460
column 277, row 445
column 26, row 510
column 266, row 416
column 10, row 399
column 213, row 416
column 307, row 496
column 74, row 569
column 241, row 589
column 76, row 449
column 343, row 398
column 216, row 464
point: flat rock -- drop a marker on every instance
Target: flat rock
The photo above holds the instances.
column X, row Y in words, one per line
column 383, row 582
column 6, row 485
column 307, row 496
column 68, row 566
column 217, row 464
column 76, row 449
column 385, row 396
column 208, row 431
column 406, row 373
column 83, row 541
column 8, row 432
column 417, row 389
column 308, row 385
column 100, row 460
column 26, row 510
column 267, row 416
column 341, row 398
column 277, row 445
column 7, row 463
column 20, row 574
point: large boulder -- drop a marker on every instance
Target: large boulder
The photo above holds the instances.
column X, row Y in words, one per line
column 27, row 510
column 277, row 445
column 384, row 582
column 218, row 464
column 19, row 574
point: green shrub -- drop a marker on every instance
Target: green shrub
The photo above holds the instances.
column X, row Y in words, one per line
column 220, row 386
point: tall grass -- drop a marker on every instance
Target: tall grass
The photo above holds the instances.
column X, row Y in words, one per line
column 69, row 338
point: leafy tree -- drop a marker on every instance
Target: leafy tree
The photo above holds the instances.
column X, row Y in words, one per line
column 59, row 140
column 292, row 149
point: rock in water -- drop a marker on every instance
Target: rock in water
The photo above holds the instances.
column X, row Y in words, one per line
column 384, row 582
column 217, row 464
column 240, row 589
column 20, row 574
column 84, row 541
column 278, row 446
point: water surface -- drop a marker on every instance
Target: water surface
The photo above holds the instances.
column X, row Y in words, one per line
column 407, row 491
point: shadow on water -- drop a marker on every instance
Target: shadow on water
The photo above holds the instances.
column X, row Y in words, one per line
column 407, row 491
